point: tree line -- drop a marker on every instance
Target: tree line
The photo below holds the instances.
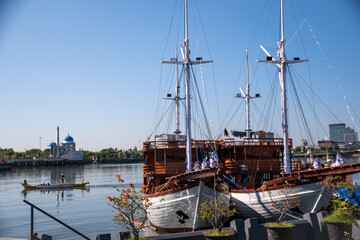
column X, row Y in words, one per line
column 108, row 153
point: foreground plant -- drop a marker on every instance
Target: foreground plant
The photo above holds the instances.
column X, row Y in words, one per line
column 343, row 210
column 287, row 203
column 217, row 211
column 130, row 207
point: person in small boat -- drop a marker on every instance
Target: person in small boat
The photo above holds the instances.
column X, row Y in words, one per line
column 62, row 178
column 25, row 182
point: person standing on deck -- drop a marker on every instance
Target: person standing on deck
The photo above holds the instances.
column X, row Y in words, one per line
column 62, row 178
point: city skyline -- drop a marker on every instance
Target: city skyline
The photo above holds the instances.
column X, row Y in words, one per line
column 93, row 68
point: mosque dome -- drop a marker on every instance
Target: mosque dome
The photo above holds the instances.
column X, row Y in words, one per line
column 52, row 144
column 68, row 139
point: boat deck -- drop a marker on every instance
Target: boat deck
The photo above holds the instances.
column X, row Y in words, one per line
column 346, row 169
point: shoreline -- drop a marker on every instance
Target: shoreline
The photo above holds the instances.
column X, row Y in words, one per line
column 63, row 162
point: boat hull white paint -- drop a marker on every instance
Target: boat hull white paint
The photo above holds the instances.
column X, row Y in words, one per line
column 312, row 198
column 162, row 213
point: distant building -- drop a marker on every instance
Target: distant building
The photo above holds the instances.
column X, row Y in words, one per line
column 66, row 149
column 342, row 135
column 325, row 143
column 303, row 144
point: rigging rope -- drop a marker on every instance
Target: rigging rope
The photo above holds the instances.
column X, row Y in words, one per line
column 334, row 75
column 318, row 97
column 212, row 66
column 308, row 65
column 307, row 129
column 201, row 103
column 159, row 122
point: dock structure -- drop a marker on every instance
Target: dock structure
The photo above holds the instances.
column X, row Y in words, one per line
column 61, row 162
column 45, row 162
column 6, row 238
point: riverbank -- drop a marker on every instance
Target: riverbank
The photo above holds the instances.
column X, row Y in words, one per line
column 324, row 154
column 64, row 162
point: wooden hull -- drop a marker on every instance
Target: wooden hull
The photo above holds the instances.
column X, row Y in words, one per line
column 55, row 186
column 163, row 213
column 313, row 197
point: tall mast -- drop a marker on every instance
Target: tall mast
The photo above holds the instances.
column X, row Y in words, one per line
column 177, row 99
column 186, row 63
column 284, row 120
column 282, row 64
column 247, row 98
column 247, row 130
column 187, row 96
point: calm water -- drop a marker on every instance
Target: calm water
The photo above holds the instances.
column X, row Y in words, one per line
column 85, row 210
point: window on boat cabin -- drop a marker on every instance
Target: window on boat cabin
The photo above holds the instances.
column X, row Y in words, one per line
column 180, row 157
column 276, row 154
column 160, row 156
column 256, row 153
column 244, row 178
column 170, row 156
column 267, row 153
column 267, row 176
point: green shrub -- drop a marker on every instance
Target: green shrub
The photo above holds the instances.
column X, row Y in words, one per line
column 280, row 225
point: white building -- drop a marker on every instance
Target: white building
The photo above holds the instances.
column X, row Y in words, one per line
column 66, row 149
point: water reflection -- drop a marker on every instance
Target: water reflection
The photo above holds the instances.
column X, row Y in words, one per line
column 61, row 195
column 85, row 210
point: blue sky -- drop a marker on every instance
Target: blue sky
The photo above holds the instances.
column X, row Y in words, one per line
column 93, row 67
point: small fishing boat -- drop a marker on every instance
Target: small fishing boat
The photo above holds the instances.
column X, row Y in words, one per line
column 55, row 186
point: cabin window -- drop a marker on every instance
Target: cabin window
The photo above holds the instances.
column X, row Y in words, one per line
column 169, row 156
column 159, row 156
column 244, row 178
column 267, row 176
column 180, row 157
column 267, row 154
column 256, row 154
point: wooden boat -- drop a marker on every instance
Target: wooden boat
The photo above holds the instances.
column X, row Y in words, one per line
column 174, row 189
column 55, row 186
column 254, row 171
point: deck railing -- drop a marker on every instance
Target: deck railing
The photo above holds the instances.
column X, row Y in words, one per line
column 226, row 142
column 254, row 142
column 50, row 216
column 161, row 144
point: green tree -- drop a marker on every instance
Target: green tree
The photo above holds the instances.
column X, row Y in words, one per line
column 323, row 149
column 45, row 153
column 32, row 153
column 217, row 211
column 297, row 149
